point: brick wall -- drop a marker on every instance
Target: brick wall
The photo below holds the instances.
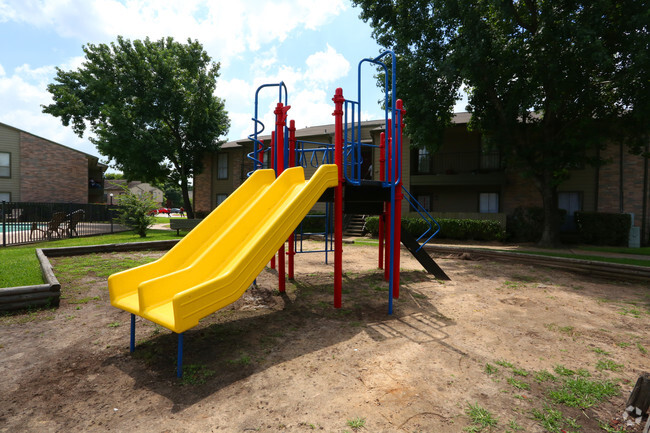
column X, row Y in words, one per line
column 609, row 191
column 203, row 186
column 631, row 174
column 51, row 172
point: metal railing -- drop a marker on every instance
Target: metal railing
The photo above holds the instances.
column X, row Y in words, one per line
column 457, row 163
column 434, row 227
column 27, row 222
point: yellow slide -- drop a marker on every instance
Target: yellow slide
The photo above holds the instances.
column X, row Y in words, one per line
column 214, row 264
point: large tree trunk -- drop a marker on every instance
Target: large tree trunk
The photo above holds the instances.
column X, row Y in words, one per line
column 551, row 232
column 186, row 198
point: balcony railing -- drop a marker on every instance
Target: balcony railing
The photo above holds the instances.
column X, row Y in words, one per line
column 458, row 163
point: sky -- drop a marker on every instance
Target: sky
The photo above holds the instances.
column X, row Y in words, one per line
column 312, row 46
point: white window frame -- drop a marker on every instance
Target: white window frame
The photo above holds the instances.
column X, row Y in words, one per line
column 222, row 172
column 221, row 198
column 424, row 155
column 488, row 202
column 6, row 167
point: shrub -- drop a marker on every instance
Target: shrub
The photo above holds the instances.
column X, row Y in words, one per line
column 372, row 225
column 526, row 224
column 482, row 230
column 314, row 223
column 134, row 211
column 603, row 228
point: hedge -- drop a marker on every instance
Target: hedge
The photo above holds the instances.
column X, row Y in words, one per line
column 480, row 230
column 603, row 228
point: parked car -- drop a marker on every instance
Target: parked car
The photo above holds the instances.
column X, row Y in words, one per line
column 175, row 210
column 163, row 210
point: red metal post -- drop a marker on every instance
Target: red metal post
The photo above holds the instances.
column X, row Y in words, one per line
column 272, row 166
column 398, row 196
column 292, row 162
column 382, row 175
column 338, row 197
column 280, row 119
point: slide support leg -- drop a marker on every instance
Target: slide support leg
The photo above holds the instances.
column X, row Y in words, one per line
column 132, row 345
column 179, row 360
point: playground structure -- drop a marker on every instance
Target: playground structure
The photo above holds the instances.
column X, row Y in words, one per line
column 214, row 264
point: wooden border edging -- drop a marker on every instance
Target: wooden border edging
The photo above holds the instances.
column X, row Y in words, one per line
column 602, row 269
column 49, row 294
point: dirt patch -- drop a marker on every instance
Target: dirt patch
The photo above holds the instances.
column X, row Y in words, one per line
column 291, row 362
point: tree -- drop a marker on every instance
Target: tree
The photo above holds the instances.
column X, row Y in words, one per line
column 149, row 104
column 549, row 82
column 135, row 211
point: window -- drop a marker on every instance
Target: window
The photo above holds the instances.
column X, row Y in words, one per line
column 5, row 164
column 221, row 198
column 570, row 202
column 489, row 202
column 424, row 161
column 5, row 196
column 222, row 166
column 425, row 201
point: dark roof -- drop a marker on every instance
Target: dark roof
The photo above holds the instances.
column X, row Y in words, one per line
column 88, row 155
column 458, row 119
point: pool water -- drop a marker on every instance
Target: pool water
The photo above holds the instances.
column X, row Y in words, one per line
column 19, row 227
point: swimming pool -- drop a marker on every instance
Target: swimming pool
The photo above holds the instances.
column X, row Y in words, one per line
column 19, row 227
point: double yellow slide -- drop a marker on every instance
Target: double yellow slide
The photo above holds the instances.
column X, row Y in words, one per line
column 214, row 264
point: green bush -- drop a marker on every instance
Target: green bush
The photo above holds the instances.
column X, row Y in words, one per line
column 372, row 225
column 603, row 228
column 135, row 211
column 461, row 229
column 314, row 223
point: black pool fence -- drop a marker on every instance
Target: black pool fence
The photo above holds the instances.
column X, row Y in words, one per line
column 26, row 222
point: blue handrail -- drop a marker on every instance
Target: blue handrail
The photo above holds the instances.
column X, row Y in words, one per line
column 253, row 137
column 424, row 215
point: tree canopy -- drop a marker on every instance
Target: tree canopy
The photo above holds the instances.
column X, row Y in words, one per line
column 549, row 82
column 150, row 106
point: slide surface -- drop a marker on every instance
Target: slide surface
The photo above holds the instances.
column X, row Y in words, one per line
column 214, row 264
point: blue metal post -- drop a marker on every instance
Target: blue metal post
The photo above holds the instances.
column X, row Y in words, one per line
column 179, row 362
column 132, row 345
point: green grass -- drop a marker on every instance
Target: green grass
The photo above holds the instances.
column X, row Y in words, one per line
column 481, row 418
column 356, row 423
column 544, row 376
column 490, row 369
column 554, row 421
column 608, row 364
column 563, row 371
column 645, row 251
column 19, row 266
column 196, row 374
column 583, row 393
column 97, row 264
column 518, row 383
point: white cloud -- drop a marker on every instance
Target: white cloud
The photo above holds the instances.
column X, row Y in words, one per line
column 26, row 89
column 327, row 66
column 226, row 28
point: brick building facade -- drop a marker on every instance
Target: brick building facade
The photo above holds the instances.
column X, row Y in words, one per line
column 463, row 179
column 45, row 171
